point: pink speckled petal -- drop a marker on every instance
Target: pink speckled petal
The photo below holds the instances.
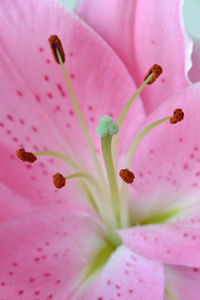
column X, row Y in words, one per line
column 183, row 282
column 125, row 276
column 175, row 243
column 36, row 109
column 44, row 256
column 143, row 33
column 166, row 163
column 26, row 187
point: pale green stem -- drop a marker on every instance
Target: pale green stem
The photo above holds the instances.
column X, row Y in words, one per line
column 57, row 155
column 90, row 197
column 169, row 294
column 140, row 137
column 107, row 155
column 82, row 122
column 99, row 205
column 124, row 112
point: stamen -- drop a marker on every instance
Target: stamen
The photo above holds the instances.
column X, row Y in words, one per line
column 59, row 180
column 26, row 156
column 81, row 119
column 177, row 117
column 58, row 155
column 152, row 75
column 127, row 176
column 156, row 70
column 56, row 45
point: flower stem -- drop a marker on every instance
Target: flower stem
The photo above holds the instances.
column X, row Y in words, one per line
column 107, row 155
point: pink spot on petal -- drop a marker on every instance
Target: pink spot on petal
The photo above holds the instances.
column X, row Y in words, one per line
column 46, row 77
column 37, row 97
column 41, row 49
column 71, row 112
column 60, row 88
column 20, row 292
column 34, row 129
column 48, row 61
column 49, row 95
column 195, row 269
column 10, row 118
column 19, row 93
column 90, row 107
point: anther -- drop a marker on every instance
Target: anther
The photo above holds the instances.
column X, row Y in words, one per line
column 155, row 70
column 127, row 176
column 25, row 156
column 177, row 116
column 59, row 180
column 56, row 45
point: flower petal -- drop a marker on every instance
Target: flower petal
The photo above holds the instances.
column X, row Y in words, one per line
column 144, row 33
column 166, row 163
column 194, row 72
column 28, row 187
column 176, row 243
column 183, row 282
column 35, row 107
column 44, row 255
column 125, row 276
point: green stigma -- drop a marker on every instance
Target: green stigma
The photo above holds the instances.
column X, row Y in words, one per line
column 106, row 127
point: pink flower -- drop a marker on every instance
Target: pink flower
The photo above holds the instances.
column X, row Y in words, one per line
column 65, row 244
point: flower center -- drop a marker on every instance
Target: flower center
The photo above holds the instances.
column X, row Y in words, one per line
column 108, row 199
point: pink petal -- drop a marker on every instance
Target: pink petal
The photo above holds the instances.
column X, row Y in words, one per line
column 144, row 33
column 125, row 276
column 28, row 187
column 175, row 243
column 43, row 256
column 183, row 283
column 194, row 73
column 36, row 110
column 166, row 163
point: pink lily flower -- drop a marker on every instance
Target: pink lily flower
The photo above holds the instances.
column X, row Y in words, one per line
column 91, row 240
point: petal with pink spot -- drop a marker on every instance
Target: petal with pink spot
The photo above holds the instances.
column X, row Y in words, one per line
column 173, row 243
column 166, row 163
column 143, row 33
column 126, row 275
column 183, row 283
column 44, row 256
column 36, row 109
